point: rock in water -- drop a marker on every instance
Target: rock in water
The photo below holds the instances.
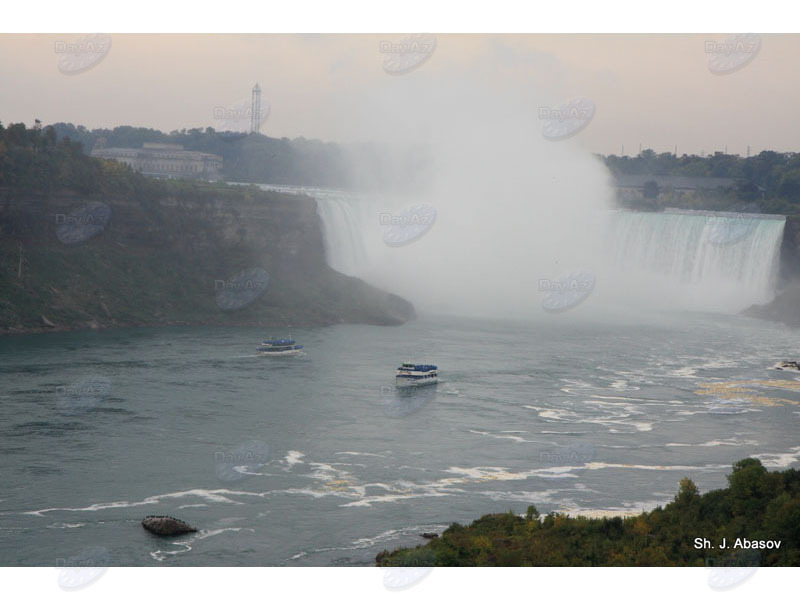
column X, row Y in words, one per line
column 788, row 365
column 163, row 525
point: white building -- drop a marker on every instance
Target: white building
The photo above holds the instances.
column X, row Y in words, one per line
column 169, row 161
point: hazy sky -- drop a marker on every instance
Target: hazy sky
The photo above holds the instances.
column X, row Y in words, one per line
column 656, row 90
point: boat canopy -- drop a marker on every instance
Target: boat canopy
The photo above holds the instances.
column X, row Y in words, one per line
column 280, row 342
column 412, row 367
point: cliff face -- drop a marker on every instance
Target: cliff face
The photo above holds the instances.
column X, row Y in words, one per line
column 790, row 249
column 200, row 255
column 785, row 308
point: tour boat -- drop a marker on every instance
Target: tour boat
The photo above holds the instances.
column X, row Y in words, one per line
column 410, row 374
column 279, row 347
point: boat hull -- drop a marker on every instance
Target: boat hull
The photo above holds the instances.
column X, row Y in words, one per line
column 404, row 382
column 293, row 352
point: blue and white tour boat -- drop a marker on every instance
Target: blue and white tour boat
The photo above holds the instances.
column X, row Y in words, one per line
column 410, row 374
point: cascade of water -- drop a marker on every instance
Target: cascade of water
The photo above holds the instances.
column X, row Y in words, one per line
column 698, row 259
column 695, row 260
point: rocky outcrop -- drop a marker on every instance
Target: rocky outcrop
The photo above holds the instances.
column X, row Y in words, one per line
column 788, row 365
column 166, row 526
column 785, row 308
column 790, row 250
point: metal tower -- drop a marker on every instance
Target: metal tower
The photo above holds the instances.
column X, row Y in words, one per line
column 255, row 110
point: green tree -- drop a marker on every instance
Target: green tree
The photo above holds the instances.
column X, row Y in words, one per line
column 650, row 190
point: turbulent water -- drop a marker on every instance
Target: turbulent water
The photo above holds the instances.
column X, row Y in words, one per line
column 316, row 460
column 567, row 414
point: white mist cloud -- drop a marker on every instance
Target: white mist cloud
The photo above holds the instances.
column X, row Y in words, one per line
column 511, row 207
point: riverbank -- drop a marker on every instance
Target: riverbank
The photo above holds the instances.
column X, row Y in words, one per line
column 753, row 522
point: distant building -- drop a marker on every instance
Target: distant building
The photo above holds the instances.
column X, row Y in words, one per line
column 168, row 161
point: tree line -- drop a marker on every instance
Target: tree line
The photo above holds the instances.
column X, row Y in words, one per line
column 257, row 158
column 758, row 505
column 768, row 181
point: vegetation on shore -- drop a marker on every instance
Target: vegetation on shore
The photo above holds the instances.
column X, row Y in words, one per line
column 157, row 252
column 258, row 158
column 758, row 505
column 768, row 182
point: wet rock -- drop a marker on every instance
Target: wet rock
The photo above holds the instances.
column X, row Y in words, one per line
column 164, row 525
column 788, row 365
column 429, row 536
column 785, row 308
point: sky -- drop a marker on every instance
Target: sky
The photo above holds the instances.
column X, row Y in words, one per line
column 657, row 90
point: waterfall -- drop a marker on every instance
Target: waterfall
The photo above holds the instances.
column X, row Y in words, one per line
column 693, row 260
column 697, row 259
column 344, row 217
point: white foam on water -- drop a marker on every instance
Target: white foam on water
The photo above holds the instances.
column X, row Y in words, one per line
column 616, row 398
column 622, row 384
column 218, row 496
column 713, row 443
column 293, row 457
column 380, row 538
column 188, row 544
column 781, row 460
column 369, row 501
column 685, row 372
column 616, row 418
column 520, row 496
column 514, row 438
column 600, row 465
column 362, row 454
